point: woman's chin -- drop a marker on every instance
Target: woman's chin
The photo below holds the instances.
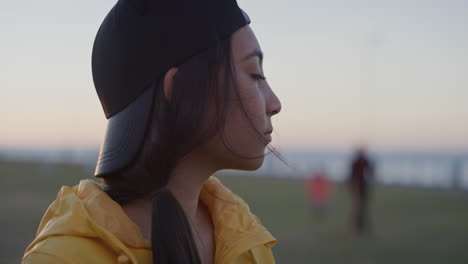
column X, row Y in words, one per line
column 252, row 164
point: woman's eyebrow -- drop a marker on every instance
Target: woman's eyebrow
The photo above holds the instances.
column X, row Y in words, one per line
column 256, row 53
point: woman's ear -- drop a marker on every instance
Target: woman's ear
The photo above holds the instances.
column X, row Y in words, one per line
column 169, row 82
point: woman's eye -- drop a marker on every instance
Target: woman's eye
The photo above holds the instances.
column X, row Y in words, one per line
column 257, row 76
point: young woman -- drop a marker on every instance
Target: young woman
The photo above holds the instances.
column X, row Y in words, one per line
column 183, row 87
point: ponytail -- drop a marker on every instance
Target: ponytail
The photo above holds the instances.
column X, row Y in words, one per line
column 171, row 235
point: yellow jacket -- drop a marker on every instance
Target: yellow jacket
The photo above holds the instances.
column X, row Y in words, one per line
column 84, row 225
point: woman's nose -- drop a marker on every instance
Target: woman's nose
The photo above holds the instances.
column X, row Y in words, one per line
column 274, row 104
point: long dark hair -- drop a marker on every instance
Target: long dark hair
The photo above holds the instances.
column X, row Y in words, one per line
column 205, row 80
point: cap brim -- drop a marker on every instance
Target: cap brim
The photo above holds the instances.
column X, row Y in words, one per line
column 124, row 135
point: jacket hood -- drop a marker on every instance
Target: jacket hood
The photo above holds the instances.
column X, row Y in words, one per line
column 86, row 211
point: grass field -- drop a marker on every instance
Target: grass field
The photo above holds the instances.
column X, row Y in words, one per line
column 409, row 225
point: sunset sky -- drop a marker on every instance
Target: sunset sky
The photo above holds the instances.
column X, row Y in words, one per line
column 393, row 74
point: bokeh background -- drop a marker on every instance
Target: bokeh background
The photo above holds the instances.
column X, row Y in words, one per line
column 388, row 75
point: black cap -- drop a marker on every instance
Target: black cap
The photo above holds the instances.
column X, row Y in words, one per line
column 137, row 43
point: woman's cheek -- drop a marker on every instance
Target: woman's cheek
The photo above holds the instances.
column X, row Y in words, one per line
column 256, row 104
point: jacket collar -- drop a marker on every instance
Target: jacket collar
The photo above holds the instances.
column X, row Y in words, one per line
column 236, row 228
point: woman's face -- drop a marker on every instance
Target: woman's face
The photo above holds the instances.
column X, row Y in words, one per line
column 259, row 102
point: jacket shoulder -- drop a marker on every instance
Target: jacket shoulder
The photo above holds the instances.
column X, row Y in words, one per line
column 69, row 249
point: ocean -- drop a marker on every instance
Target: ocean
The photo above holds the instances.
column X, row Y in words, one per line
column 405, row 168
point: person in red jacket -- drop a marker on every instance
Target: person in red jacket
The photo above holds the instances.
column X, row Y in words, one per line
column 319, row 190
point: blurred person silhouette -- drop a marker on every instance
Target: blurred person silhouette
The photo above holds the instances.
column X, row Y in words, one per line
column 319, row 192
column 360, row 176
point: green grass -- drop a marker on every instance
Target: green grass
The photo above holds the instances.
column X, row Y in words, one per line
column 409, row 225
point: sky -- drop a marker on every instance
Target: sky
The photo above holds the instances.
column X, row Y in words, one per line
column 390, row 74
